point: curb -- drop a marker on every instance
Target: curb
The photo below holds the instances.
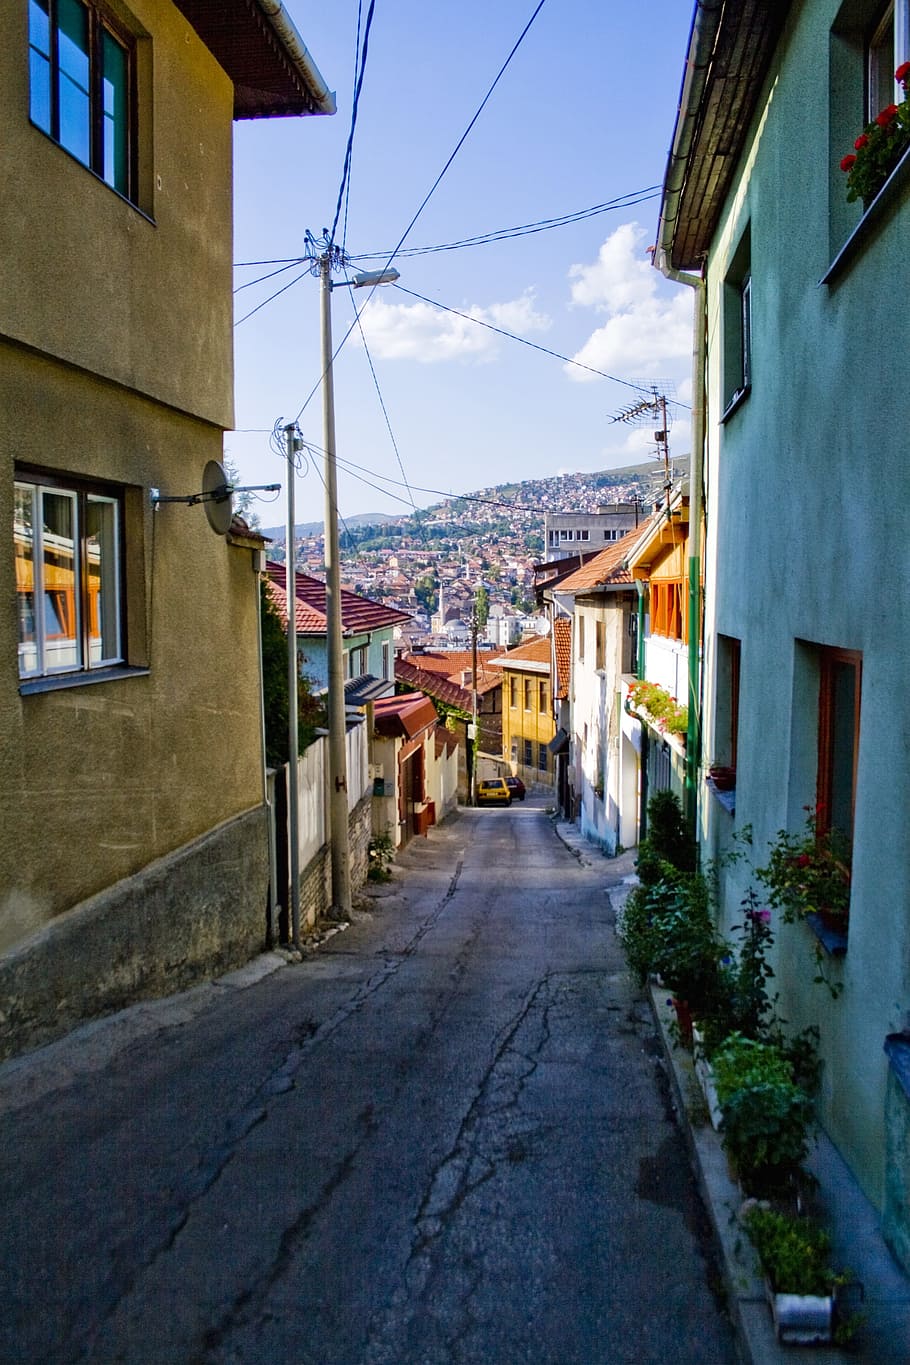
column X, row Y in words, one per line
column 875, row 1344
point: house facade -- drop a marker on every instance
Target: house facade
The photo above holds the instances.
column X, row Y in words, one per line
column 133, row 846
column 367, row 628
column 528, row 724
column 806, row 622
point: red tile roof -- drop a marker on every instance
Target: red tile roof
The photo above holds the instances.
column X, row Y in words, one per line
column 562, row 640
column 536, row 651
column 404, row 717
column 434, row 685
column 606, row 567
column 456, row 665
column 358, row 614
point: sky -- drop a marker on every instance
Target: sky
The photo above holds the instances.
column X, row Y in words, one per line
column 436, row 404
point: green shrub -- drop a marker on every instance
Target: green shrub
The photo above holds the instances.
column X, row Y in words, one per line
column 766, row 1115
column 795, row 1254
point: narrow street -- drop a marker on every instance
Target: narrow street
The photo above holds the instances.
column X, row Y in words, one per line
column 444, row 1137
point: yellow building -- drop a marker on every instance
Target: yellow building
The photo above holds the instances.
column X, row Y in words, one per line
column 133, row 844
column 528, row 725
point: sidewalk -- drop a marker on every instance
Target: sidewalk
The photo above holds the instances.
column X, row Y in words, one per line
column 884, row 1337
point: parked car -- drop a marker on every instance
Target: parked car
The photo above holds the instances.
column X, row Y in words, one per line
column 516, row 787
column 493, row 791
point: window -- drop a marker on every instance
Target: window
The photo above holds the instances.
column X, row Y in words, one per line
column 82, row 87
column 581, row 639
column 513, row 693
column 868, row 41
column 529, row 694
column 881, row 62
column 584, row 535
column 600, row 645
column 543, row 698
column 387, row 672
column 668, row 609
column 543, row 758
column 68, row 554
column 840, row 679
column 529, row 753
column 737, row 325
column 355, row 662
column 726, row 738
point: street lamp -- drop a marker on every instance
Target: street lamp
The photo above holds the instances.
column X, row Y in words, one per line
column 338, row 782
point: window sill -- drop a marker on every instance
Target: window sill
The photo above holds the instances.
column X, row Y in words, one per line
column 736, row 402
column 832, row 940
column 871, row 219
column 727, row 799
column 58, row 681
column 897, row 1047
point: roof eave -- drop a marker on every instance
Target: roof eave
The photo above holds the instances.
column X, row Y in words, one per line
column 731, row 44
column 256, row 43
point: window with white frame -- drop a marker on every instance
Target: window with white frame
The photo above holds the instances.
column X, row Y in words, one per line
column 67, row 539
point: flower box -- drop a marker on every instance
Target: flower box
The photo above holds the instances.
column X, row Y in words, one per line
column 704, row 1073
column 802, row 1319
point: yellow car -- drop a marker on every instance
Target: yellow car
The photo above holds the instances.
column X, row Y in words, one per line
column 493, row 791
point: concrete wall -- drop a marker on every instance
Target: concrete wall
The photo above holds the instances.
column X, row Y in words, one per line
column 197, row 912
column 140, row 296
column 807, row 542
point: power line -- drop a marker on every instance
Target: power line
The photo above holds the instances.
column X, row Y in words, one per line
column 621, row 201
column 524, row 341
column 523, row 230
column 382, row 403
column 360, row 68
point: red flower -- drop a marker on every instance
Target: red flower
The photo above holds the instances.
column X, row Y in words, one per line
column 803, row 860
column 860, row 142
column 847, row 162
column 903, row 72
column 885, row 117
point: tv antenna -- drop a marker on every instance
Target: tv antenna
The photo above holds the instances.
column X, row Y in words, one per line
column 652, row 407
column 217, row 496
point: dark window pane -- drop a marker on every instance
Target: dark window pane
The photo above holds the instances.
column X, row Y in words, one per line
column 73, row 79
column 115, row 90
column 39, row 38
column 843, row 738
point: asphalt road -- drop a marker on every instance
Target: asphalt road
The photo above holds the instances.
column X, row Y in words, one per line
column 443, row 1137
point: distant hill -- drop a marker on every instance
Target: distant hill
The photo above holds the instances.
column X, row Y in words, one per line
column 505, row 492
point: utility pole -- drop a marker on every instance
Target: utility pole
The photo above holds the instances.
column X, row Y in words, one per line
column 474, row 744
column 338, row 779
column 290, row 585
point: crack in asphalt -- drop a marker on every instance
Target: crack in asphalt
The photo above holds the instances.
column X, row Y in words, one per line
column 457, row 1176
column 136, row 1255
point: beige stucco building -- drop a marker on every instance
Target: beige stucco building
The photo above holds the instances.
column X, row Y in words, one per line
column 133, row 849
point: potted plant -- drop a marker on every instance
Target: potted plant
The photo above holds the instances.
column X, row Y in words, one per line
column 795, row 1256
column 879, row 146
column 809, row 873
column 767, row 1116
column 670, row 717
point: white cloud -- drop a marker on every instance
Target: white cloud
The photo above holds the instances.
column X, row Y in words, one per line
column 399, row 331
column 648, row 330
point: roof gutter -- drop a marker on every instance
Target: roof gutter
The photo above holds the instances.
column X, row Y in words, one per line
column 705, row 24
column 281, row 22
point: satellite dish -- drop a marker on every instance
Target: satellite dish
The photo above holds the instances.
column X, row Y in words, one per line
column 216, row 497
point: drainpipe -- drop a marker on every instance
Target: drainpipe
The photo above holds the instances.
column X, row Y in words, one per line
column 705, row 24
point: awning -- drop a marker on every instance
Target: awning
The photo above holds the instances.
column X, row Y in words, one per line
column 559, row 743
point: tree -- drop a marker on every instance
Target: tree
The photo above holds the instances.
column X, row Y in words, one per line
column 481, row 607
column 425, row 590
column 276, row 692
